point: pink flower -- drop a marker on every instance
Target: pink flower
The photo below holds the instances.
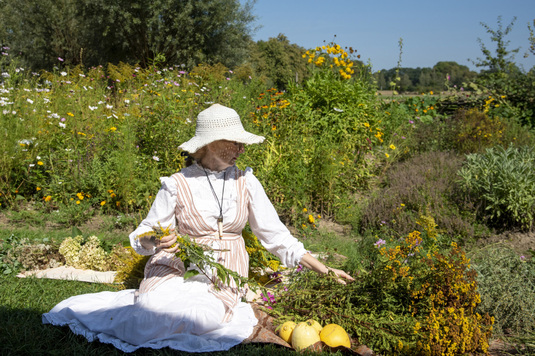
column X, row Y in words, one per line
column 60, row 59
column 380, row 242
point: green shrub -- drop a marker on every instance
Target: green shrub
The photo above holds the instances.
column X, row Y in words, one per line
column 501, row 182
column 475, row 131
column 464, row 131
column 506, row 282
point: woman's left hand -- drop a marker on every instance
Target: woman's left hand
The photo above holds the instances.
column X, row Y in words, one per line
column 312, row 263
column 341, row 274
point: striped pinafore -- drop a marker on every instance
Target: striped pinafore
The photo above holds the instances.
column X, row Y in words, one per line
column 163, row 266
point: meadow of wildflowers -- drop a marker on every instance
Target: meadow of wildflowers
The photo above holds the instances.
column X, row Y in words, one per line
column 79, row 141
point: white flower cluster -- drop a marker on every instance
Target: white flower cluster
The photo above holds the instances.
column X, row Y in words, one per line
column 84, row 255
column 70, row 249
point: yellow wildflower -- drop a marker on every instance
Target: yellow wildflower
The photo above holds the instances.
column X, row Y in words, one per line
column 40, row 163
column 392, row 147
column 102, row 203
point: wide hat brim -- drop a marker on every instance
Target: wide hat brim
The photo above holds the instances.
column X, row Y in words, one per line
column 196, row 143
column 219, row 123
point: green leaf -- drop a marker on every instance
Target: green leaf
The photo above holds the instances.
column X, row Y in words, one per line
column 190, row 273
column 76, row 231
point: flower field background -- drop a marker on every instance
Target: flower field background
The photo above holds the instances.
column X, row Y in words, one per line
column 420, row 184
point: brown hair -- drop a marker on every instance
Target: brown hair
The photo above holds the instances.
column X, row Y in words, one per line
column 197, row 156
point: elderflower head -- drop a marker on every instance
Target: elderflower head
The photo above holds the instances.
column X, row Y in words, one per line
column 92, row 256
column 70, row 249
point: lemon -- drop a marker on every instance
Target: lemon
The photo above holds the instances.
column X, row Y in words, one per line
column 334, row 335
column 303, row 336
column 286, row 329
column 315, row 324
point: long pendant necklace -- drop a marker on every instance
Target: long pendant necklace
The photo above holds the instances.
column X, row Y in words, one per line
column 220, row 218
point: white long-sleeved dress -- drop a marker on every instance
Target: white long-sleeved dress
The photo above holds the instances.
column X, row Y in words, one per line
column 168, row 311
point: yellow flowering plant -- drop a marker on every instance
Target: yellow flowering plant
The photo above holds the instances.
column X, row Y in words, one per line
column 412, row 296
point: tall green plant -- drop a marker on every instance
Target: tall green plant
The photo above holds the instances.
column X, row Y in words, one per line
column 502, row 184
column 318, row 135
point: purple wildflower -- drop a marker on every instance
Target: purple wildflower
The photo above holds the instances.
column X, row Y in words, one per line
column 380, row 242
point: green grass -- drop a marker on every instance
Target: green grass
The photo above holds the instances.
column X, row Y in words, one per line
column 103, row 226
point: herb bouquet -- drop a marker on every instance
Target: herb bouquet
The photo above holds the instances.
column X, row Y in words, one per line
column 202, row 256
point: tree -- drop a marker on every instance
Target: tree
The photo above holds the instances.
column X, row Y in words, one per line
column 41, row 31
column 531, row 39
column 279, row 61
column 503, row 58
column 504, row 79
column 454, row 73
column 135, row 31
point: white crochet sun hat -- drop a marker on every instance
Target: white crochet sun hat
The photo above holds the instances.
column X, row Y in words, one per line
column 219, row 122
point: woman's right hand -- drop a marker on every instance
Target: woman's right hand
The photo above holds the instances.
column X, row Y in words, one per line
column 166, row 244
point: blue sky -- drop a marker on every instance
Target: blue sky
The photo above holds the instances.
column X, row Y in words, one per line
column 431, row 30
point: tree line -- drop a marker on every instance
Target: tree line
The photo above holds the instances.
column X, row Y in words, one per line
column 440, row 77
column 40, row 33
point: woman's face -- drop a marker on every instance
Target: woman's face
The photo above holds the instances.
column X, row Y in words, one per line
column 222, row 154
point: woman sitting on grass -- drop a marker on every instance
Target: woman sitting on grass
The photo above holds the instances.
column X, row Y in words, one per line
column 211, row 201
